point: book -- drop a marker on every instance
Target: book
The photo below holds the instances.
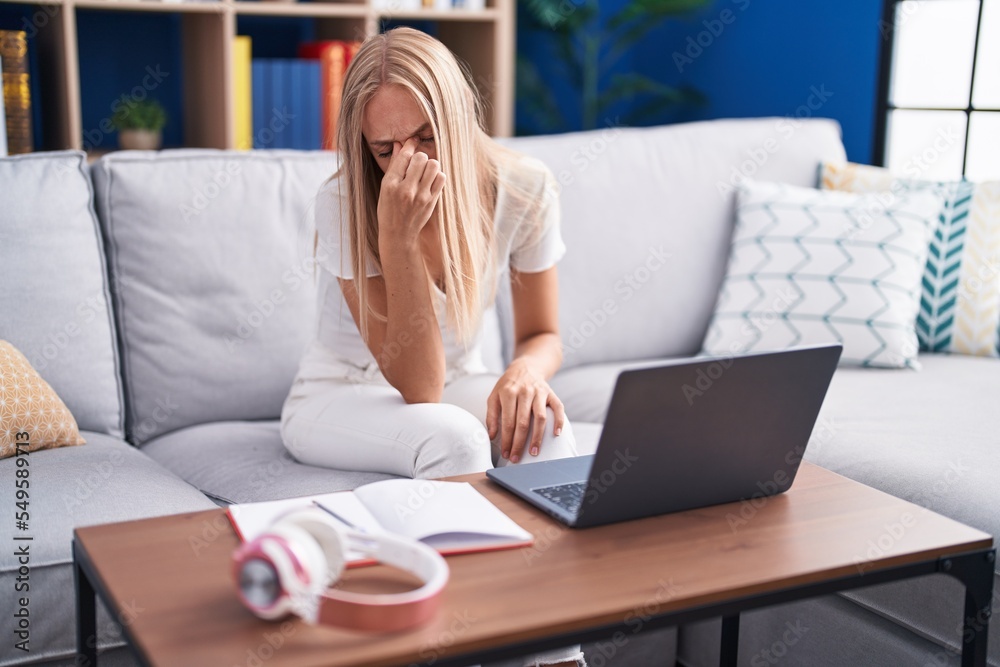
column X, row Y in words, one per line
column 314, row 130
column 260, row 116
column 451, row 517
column 243, row 90
column 16, row 91
column 295, row 85
column 278, row 103
column 305, row 97
column 334, row 57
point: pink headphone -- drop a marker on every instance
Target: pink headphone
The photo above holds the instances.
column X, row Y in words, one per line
column 290, row 568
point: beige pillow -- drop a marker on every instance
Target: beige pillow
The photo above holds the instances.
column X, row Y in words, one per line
column 31, row 414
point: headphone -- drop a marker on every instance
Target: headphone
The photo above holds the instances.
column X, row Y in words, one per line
column 290, row 568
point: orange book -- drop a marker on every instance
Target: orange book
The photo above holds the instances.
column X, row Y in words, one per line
column 334, row 56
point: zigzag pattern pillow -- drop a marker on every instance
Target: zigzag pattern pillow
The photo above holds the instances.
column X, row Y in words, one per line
column 960, row 298
column 809, row 267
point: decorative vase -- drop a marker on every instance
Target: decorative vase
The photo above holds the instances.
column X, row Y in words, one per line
column 139, row 140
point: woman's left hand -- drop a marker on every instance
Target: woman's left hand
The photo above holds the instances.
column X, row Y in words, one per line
column 518, row 401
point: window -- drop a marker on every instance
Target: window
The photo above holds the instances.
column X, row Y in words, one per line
column 939, row 89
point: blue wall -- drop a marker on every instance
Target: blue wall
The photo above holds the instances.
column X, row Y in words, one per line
column 763, row 57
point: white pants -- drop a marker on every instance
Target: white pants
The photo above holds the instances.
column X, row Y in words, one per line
column 362, row 423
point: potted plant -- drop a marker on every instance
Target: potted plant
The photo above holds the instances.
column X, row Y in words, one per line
column 587, row 44
column 140, row 124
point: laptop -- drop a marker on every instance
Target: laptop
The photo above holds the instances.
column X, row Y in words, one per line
column 687, row 434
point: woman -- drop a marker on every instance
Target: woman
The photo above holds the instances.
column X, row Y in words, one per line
column 415, row 227
column 428, row 209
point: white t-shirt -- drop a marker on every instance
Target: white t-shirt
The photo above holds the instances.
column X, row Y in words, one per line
column 526, row 245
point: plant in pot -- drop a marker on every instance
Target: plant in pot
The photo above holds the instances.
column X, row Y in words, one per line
column 585, row 45
column 140, row 124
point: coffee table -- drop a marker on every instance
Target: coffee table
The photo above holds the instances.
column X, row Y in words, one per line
column 169, row 578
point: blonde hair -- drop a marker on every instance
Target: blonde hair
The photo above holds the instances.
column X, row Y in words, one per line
column 472, row 161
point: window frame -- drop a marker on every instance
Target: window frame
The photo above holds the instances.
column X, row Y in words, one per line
column 887, row 29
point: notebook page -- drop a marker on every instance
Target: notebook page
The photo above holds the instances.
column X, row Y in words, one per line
column 251, row 519
column 445, row 515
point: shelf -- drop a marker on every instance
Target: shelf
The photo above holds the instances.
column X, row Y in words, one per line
column 152, row 6
column 487, row 14
column 55, row 3
column 484, row 39
column 315, row 9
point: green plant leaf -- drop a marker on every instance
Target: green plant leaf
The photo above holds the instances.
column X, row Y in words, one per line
column 651, row 10
column 565, row 16
column 570, row 60
column 586, row 48
column 544, row 13
column 626, row 86
column 648, row 111
column 538, row 100
column 139, row 115
column 635, row 20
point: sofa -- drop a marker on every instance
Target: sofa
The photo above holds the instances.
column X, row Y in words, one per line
column 166, row 296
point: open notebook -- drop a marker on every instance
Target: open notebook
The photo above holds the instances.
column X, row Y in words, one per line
column 451, row 517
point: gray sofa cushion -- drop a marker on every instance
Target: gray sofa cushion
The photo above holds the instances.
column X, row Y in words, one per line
column 211, row 262
column 103, row 481
column 929, row 436
column 54, row 301
column 646, row 252
column 239, row 462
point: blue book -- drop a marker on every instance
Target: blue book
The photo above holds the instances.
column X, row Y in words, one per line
column 269, row 117
column 296, row 85
column 260, row 116
column 314, row 105
column 279, row 108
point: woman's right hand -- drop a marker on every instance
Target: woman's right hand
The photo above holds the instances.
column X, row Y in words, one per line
column 410, row 190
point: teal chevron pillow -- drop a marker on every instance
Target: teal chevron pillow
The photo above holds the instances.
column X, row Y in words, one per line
column 960, row 297
column 810, row 266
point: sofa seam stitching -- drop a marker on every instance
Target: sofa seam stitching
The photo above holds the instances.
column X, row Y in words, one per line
column 106, row 290
column 120, row 313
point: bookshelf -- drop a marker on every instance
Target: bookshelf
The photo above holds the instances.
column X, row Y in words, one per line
column 485, row 39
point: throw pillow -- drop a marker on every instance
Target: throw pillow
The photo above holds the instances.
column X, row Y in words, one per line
column 809, row 267
column 32, row 416
column 960, row 298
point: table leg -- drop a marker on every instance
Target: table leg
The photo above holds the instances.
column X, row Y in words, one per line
column 86, row 614
column 730, row 648
column 975, row 571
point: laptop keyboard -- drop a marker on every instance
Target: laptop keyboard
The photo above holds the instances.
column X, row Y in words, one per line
column 568, row 496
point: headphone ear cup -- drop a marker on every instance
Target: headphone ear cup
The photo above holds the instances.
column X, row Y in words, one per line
column 297, row 566
column 310, row 577
column 329, row 535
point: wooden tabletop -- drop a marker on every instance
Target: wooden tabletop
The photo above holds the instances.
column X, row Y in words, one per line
column 171, row 579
